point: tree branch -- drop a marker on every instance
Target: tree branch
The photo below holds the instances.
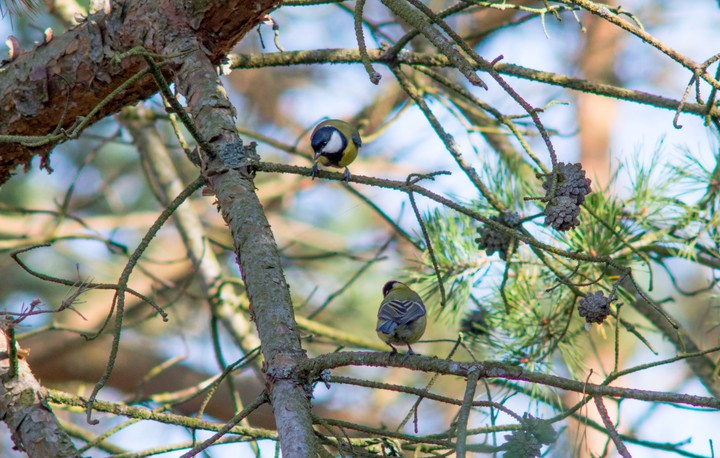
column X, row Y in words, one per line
column 311, row 369
column 352, row 56
column 255, row 247
column 46, row 90
column 34, row 427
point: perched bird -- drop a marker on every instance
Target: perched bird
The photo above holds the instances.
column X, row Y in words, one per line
column 336, row 144
column 401, row 318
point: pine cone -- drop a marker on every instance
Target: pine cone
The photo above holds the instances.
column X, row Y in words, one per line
column 528, row 442
column 474, row 323
column 561, row 213
column 571, row 182
column 492, row 240
column 595, row 307
column 541, row 429
column 521, row 444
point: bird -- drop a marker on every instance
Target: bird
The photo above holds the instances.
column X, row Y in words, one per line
column 336, row 144
column 402, row 316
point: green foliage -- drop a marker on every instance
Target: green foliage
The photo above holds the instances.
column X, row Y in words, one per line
column 529, row 315
column 603, row 230
column 461, row 265
column 525, row 323
column 509, row 188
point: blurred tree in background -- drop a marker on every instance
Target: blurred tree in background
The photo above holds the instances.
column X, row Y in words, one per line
column 157, row 318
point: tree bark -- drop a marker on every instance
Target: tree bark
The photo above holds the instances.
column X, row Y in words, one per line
column 256, row 251
column 34, row 428
column 48, row 88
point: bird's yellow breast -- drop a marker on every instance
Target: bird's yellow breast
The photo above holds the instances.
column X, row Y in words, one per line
column 348, row 156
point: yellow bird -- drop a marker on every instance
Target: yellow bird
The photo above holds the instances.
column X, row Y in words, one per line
column 402, row 316
column 336, row 144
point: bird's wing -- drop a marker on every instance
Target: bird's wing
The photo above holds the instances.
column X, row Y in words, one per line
column 356, row 139
column 401, row 312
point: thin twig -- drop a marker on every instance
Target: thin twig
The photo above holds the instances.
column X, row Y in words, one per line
column 122, row 283
column 250, row 408
column 429, row 246
column 622, row 450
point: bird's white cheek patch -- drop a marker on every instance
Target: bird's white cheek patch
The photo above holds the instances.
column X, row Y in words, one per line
column 334, row 145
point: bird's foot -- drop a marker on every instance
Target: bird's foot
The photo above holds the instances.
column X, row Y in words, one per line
column 346, row 175
column 314, row 171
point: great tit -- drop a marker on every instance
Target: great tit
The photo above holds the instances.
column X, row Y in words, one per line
column 336, row 144
column 402, row 317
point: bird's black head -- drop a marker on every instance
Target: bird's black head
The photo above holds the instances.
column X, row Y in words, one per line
column 322, row 136
column 389, row 286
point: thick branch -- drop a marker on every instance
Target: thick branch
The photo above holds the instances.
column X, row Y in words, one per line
column 255, row 247
column 34, row 427
column 47, row 88
column 488, row 369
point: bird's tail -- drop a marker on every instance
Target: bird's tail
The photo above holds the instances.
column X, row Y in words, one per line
column 387, row 327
